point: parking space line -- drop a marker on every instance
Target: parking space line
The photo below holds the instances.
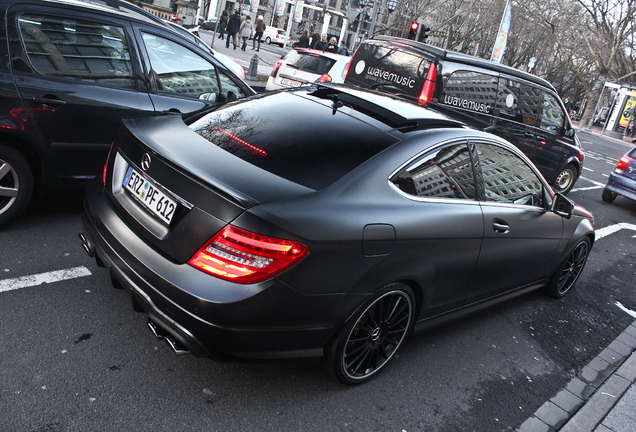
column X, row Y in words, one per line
column 38, row 279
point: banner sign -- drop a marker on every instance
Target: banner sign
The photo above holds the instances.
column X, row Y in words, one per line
column 254, row 6
column 502, row 36
column 279, row 8
column 298, row 11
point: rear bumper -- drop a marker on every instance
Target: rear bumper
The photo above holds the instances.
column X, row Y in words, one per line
column 208, row 316
column 622, row 185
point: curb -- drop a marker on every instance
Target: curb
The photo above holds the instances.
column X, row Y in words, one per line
column 590, row 396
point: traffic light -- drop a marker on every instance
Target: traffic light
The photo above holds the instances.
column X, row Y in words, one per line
column 424, row 33
column 413, row 30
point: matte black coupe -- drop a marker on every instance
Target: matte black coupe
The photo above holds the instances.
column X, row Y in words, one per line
column 323, row 222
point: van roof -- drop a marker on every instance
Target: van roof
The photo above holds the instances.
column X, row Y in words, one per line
column 420, row 47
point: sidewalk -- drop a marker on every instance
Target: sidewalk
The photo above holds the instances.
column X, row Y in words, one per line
column 601, row 398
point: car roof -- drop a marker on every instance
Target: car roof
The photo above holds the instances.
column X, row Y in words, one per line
column 328, row 54
column 433, row 51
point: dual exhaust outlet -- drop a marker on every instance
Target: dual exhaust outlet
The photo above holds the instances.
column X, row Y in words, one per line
column 159, row 333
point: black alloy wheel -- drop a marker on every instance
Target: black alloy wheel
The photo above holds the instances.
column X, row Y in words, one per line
column 608, row 195
column 372, row 337
column 568, row 273
column 565, row 180
column 16, row 184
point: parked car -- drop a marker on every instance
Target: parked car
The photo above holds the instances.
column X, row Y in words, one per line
column 521, row 108
column 86, row 66
column 274, row 35
column 325, row 222
column 209, row 25
column 301, row 66
column 622, row 181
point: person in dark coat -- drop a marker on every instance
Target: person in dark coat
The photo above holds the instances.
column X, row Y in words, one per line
column 303, row 41
column 342, row 49
column 233, row 26
column 333, row 46
column 222, row 24
column 322, row 44
column 314, row 40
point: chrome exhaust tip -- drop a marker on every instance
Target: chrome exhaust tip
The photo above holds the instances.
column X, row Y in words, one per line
column 177, row 347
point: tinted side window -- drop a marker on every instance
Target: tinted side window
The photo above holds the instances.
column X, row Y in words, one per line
column 506, row 177
column 388, row 69
column 519, row 102
column 471, row 91
column 530, row 101
column 180, row 71
column 552, row 115
column 77, row 50
column 445, row 172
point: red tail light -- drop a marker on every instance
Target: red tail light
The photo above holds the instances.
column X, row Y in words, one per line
column 429, row 85
column 275, row 70
column 242, row 256
column 106, row 164
column 622, row 163
column 324, row 78
column 346, row 71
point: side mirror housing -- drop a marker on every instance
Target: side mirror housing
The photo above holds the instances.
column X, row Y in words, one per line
column 570, row 132
column 562, row 206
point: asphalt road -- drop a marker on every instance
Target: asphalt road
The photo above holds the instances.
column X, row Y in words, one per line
column 75, row 357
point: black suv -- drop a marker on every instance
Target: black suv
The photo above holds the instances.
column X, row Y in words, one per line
column 522, row 108
column 71, row 71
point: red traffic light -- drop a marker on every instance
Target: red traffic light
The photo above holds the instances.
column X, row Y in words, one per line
column 414, row 26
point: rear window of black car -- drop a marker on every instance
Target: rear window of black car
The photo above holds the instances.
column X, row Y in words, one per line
column 303, row 140
column 388, row 69
column 310, row 62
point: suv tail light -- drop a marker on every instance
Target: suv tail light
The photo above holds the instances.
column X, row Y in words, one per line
column 346, row 71
column 275, row 70
column 429, row 85
column 621, row 166
column 324, row 78
column 245, row 257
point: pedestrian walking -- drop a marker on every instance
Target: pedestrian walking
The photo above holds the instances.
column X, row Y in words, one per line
column 246, row 31
column 222, row 24
column 233, row 26
column 258, row 34
column 342, row 49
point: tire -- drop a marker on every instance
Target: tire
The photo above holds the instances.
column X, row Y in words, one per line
column 16, row 184
column 268, row 40
column 370, row 339
column 565, row 180
column 569, row 271
column 609, row 196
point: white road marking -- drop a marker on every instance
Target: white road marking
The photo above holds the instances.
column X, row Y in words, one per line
column 600, row 233
column 588, row 169
column 596, row 184
column 624, row 309
column 38, row 279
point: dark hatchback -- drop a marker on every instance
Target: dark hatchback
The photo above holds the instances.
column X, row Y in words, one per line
column 71, row 71
column 323, row 222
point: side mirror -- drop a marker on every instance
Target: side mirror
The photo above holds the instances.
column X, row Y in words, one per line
column 562, row 206
column 570, row 132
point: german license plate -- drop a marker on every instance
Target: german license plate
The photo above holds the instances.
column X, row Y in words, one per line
column 145, row 190
column 290, row 83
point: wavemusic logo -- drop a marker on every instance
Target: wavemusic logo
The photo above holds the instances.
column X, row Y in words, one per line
column 391, row 77
column 465, row 103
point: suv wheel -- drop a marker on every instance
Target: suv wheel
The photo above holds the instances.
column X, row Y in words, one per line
column 268, row 40
column 16, row 184
column 565, row 180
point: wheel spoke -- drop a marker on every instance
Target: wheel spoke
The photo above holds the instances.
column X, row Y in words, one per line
column 8, row 192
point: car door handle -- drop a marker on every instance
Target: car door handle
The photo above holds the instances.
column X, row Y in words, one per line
column 171, row 111
column 501, row 228
column 541, row 137
column 528, row 134
column 48, row 101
